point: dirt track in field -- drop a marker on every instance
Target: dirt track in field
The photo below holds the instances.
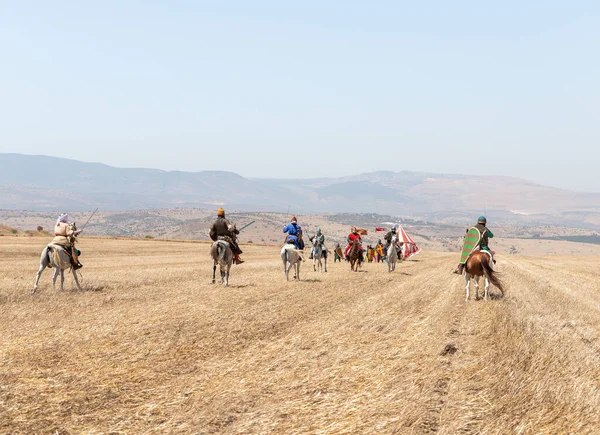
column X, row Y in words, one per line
column 150, row 346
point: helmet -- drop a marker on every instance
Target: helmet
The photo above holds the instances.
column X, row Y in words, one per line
column 294, row 220
column 220, row 211
column 481, row 220
column 318, row 230
column 354, row 229
column 394, row 229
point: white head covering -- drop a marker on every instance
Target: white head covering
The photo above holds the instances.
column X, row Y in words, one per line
column 63, row 218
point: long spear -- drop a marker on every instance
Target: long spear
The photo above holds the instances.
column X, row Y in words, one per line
column 86, row 222
column 246, row 226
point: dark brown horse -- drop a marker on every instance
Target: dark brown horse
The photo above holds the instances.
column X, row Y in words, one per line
column 355, row 255
column 478, row 264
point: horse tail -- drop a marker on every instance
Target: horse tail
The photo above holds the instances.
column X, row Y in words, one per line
column 491, row 275
column 223, row 254
column 214, row 251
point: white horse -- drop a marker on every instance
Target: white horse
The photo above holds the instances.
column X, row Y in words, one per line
column 319, row 255
column 291, row 257
column 55, row 256
column 392, row 255
column 221, row 254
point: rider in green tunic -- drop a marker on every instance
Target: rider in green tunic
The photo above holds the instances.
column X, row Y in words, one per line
column 485, row 235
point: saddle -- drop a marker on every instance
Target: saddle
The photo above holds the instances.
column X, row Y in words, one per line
column 490, row 254
column 225, row 239
column 53, row 251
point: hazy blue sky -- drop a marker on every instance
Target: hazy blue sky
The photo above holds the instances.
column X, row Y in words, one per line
column 307, row 89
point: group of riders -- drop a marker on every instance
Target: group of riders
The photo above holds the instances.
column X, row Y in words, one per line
column 222, row 228
column 65, row 234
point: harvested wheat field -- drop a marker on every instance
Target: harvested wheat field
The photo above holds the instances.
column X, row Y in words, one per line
column 150, row 346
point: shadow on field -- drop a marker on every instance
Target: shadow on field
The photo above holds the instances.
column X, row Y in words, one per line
column 310, row 280
column 87, row 288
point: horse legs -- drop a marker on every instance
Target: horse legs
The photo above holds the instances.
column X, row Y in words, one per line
column 37, row 277
column 297, row 269
column 486, row 287
column 76, row 279
column 57, row 271
column 287, row 265
column 225, row 276
column 326, row 263
column 476, row 282
column 467, row 281
column 214, row 271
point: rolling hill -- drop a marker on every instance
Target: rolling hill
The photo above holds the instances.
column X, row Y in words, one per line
column 43, row 183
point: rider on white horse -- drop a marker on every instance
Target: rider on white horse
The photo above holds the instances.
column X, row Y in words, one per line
column 389, row 235
column 65, row 237
column 320, row 240
column 221, row 227
column 294, row 232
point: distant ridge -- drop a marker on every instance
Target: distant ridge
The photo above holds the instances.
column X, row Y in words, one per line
column 50, row 183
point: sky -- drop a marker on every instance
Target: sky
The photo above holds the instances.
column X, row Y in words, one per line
column 307, row 89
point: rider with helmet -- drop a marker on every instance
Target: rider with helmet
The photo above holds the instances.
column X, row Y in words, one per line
column 389, row 235
column 221, row 227
column 485, row 235
column 320, row 240
column 294, row 232
column 354, row 235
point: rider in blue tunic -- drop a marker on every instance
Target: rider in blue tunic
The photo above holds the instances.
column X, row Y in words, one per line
column 294, row 233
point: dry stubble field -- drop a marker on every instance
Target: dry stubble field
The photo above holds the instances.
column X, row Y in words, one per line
column 150, row 346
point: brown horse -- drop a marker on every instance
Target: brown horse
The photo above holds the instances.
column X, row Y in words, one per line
column 355, row 256
column 478, row 264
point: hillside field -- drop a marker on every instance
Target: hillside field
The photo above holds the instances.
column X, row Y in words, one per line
column 151, row 346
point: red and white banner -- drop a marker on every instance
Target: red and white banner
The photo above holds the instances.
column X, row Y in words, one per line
column 410, row 247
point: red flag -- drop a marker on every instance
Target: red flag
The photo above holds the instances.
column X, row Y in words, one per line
column 380, row 229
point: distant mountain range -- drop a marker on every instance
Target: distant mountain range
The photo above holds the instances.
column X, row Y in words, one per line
column 42, row 183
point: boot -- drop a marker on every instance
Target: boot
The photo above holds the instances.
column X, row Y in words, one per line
column 459, row 269
column 75, row 259
column 237, row 259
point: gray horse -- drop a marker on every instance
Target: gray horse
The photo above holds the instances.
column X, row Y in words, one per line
column 57, row 257
column 392, row 254
column 222, row 255
column 319, row 255
column 291, row 257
